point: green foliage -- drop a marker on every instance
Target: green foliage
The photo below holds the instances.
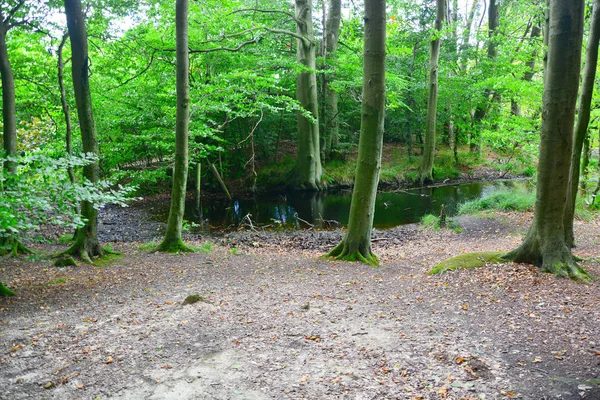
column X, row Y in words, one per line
column 433, row 222
column 467, row 261
column 234, row 251
column 501, row 200
column 206, row 248
column 41, row 193
column 150, row 246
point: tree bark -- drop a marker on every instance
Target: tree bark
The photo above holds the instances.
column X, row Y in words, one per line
column 308, row 164
column 65, row 105
column 86, row 243
column 583, row 119
column 9, row 113
column 330, row 43
column 545, row 243
column 356, row 244
column 426, row 170
column 172, row 241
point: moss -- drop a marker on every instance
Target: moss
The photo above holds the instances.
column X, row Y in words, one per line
column 194, row 298
column 66, row 238
column 467, row 261
column 342, row 253
column 4, row 291
column 107, row 259
column 175, row 247
column 65, row 261
column 57, row 281
column 150, row 246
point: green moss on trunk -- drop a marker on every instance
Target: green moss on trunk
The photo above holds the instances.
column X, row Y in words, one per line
column 4, row 291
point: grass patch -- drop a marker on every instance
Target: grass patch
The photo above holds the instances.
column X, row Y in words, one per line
column 58, row 281
column 107, row 260
column 234, row 251
column 501, row 200
column 467, row 261
column 431, row 221
column 206, row 248
column 148, row 246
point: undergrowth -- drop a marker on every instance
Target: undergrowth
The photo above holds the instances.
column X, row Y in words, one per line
column 501, row 200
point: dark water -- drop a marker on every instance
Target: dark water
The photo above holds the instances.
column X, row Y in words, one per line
column 331, row 209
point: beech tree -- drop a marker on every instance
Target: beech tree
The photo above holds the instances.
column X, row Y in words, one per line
column 172, row 241
column 329, row 46
column 545, row 244
column 356, row 244
column 426, row 170
column 583, row 119
column 309, row 170
column 86, row 243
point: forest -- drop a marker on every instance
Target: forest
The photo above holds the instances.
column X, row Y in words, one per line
column 299, row 199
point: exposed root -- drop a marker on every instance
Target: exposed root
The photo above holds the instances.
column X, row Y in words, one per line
column 4, row 291
column 569, row 269
column 177, row 246
column 13, row 248
column 343, row 253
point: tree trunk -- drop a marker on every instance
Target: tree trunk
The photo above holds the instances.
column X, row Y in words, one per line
column 330, row 43
column 86, row 243
column 356, row 244
column 426, row 170
column 492, row 53
column 172, row 241
column 65, row 104
column 9, row 113
column 308, row 164
column 583, row 119
column 545, row 243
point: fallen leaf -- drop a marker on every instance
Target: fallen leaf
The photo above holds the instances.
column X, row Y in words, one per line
column 460, row 360
column 465, row 307
column 304, row 378
column 109, row 360
column 79, row 386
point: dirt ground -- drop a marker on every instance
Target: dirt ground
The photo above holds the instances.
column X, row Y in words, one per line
column 277, row 322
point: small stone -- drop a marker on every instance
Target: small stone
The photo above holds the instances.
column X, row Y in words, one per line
column 306, row 306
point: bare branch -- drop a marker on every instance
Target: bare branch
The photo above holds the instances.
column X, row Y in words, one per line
column 12, row 12
column 142, row 72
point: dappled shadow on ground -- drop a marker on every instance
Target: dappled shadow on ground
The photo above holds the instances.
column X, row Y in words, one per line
column 279, row 323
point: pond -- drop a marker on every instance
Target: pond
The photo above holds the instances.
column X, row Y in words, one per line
column 300, row 210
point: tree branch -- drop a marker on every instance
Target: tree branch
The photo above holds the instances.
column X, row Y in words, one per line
column 289, row 14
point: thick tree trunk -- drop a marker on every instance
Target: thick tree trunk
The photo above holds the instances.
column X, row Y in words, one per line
column 86, row 243
column 65, row 104
column 426, row 170
column 356, row 244
column 583, row 119
column 172, row 241
column 308, row 164
column 545, row 243
column 330, row 43
column 9, row 113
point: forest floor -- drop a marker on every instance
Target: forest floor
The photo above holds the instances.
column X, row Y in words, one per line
column 277, row 322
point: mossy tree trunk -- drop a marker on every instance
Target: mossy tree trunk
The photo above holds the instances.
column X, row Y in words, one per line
column 356, row 244
column 9, row 130
column 86, row 243
column 545, row 243
column 309, row 170
column 330, row 43
column 583, row 119
column 426, row 169
column 172, row 241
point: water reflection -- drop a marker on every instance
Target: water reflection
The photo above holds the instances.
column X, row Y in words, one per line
column 331, row 209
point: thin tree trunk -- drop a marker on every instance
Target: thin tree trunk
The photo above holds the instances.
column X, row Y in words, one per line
column 308, row 164
column 356, row 244
column 65, row 104
column 9, row 113
column 515, row 106
column 86, row 243
column 172, row 241
column 545, row 243
column 426, row 170
column 583, row 119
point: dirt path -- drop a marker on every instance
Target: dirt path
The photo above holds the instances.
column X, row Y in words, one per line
column 278, row 323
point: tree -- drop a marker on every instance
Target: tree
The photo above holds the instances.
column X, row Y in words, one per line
column 86, row 243
column 426, row 170
column 545, row 244
column 329, row 46
column 172, row 241
column 583, row 119
column 356, row 244
column 309, row 170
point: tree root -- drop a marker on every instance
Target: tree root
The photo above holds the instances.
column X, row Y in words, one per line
column 15, row 248
column 4, row 291
column 342, row 252
column 569, row 269
column 177, row 246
